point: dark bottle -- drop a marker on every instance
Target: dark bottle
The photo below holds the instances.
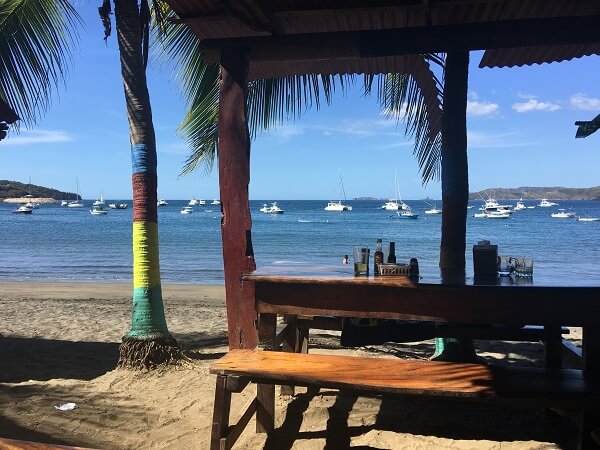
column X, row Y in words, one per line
column 378, row 257
column 413, row 270
column 392, row 256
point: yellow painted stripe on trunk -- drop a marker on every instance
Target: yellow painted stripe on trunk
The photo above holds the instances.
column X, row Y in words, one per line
column 146, row 266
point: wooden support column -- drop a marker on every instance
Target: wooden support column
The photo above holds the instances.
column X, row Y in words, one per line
column 234, row 177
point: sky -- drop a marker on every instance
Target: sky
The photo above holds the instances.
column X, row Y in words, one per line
column 520, row 133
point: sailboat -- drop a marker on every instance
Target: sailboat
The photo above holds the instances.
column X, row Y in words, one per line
column 76, row 203
column 392, row 204
column 339, row 206
column 99, row 202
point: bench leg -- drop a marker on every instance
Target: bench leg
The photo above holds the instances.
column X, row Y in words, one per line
column 290, row 344
column 552, row 346
column 265, row 412
column 220, row 424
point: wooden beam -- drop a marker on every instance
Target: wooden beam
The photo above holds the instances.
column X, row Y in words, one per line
column 234, row 176
column 414, row 40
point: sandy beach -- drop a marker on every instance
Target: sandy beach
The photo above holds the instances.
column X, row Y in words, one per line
column 59, row 343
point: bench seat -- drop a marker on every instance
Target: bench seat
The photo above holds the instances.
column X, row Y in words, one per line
column 386, row 375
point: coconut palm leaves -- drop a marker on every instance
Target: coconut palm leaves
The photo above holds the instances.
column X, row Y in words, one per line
column 270, row 101
column 36, row 40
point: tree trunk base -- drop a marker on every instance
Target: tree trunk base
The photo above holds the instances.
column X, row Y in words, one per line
column 136, row 353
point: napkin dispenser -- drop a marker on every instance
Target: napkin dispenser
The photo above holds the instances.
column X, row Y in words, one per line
column 485, row 259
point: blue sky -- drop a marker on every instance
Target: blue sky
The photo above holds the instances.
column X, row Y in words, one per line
column 520, row 129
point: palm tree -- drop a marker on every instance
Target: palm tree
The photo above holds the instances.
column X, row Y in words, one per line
column 36, row 41
column 148, row 343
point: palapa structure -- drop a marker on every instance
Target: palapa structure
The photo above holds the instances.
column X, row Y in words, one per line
column 254, row 39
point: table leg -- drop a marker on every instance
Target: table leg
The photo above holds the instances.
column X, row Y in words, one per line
column 265, row 393
column 290, row 344
column 589, row 426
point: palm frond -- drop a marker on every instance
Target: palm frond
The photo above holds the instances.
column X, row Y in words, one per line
column 415, row 100
column 270, row 101
column 36, row 41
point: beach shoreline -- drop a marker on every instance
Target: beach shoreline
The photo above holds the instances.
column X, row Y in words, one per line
column 59, row 343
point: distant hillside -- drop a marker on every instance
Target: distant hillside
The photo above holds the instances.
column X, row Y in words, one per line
column 11, row 189
column 534, row 193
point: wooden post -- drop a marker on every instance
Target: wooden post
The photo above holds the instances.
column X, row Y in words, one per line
column 234, row 176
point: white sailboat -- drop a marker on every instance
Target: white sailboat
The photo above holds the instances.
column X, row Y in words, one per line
column 392, row 204
column 434, row 209
column 99, row 202
column 76, row 203
column 339, row 206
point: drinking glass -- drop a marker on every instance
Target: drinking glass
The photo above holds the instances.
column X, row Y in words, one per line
column 524, row 268
column 361, row 260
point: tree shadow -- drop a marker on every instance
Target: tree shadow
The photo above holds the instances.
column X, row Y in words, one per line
column 26, row 359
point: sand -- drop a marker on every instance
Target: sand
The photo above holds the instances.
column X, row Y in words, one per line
column 59, row 343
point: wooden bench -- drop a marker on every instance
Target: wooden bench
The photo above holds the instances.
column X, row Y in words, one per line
column 552, row 387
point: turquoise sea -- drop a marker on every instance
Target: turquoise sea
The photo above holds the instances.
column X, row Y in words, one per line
column 64, row 244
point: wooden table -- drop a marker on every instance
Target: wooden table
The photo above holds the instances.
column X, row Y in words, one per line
column 302, row 290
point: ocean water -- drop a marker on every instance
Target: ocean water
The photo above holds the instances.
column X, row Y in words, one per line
column 65, row 244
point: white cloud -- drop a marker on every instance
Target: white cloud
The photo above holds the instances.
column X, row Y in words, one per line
column 534, row 105
column 580, row 101
column 479, row 109
column 478, row 139
column 34, row 137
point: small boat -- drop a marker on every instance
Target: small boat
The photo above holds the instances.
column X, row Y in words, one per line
column 530, row 207
column 98, row 210
column 23, row 210
column 215, row 202
column 76, row 203
column 117, row 205
column 161, row 202
column 193, row 202
column 187, row 210
column 588, row 219
column 491, row 205
column 273, row 209
column 491, row 215
column 202, row 202
column 562, row 214
column 339, row 206
column 520, row 206
column 64, row 203
column 546, row 204
column 99, row 202
column 407, row 215
column 433, row 210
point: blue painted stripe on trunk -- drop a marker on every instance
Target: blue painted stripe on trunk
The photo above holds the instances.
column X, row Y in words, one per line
column 148, row 318
column 143, row 159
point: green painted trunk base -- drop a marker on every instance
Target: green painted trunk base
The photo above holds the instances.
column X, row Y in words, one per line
column 148, row 317
column 454, row 350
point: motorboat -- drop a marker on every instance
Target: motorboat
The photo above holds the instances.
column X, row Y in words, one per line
column 562, row 214
column 193, row 202
column 491, row 205
column 187, row 210
column 32, row 205
column 161, row 202
column 215, row 202
column 202, row 202
column 337, row 206
column 520, row 206
column 23, row 210
column 117, row 205
column 98, row 210
column 273, row 209
column 546, row 204
column 433, row 210
column 64, row 203
column 407, row 215
column 491, row 215
column 588, row 219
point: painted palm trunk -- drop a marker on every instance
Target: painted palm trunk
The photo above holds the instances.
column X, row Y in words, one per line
column 148, row 343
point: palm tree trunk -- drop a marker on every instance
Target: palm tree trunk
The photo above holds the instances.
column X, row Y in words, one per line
column 455, row 190
column 148, row 343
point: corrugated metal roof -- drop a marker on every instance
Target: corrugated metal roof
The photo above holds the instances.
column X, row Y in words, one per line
column 213, row 19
